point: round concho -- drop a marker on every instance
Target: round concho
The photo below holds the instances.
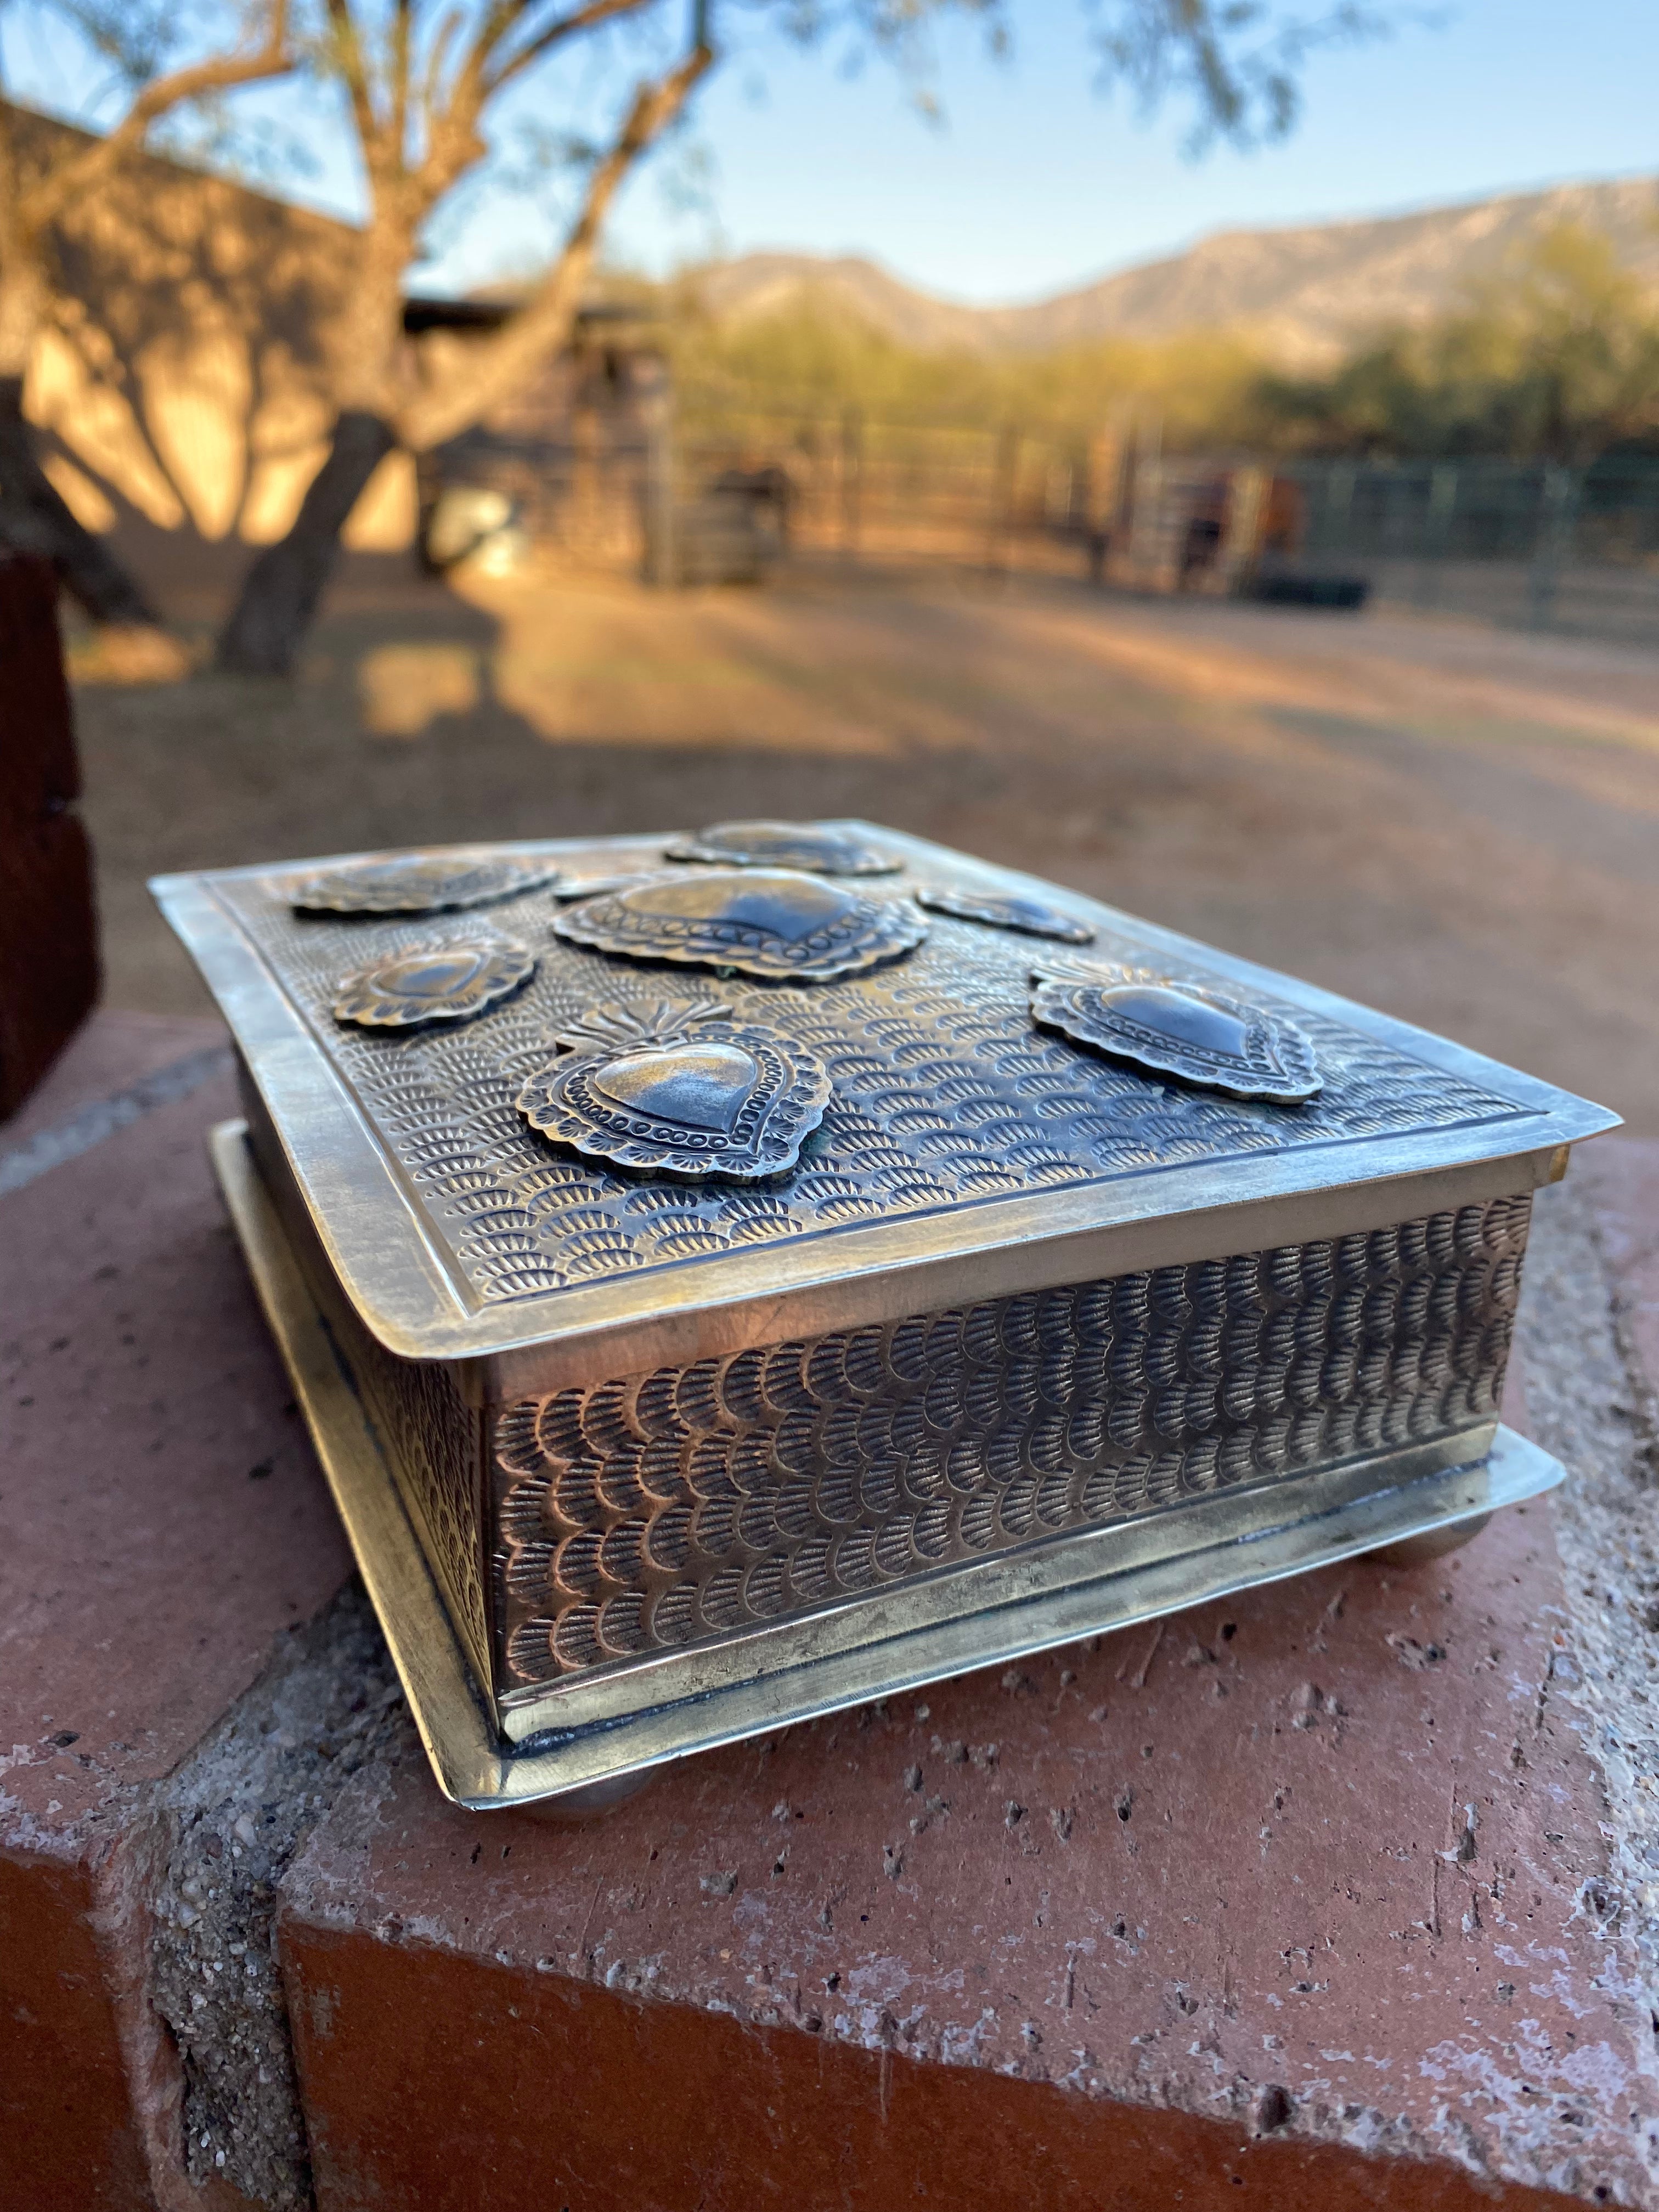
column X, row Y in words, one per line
column 785, row 845
column 771, row 922
column 1030, row 917
column 417, row 883
column 1180, row 1029
column 679, row 1089
column 442, row 983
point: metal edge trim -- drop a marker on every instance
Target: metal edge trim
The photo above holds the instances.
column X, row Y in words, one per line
column 468, row 1760
column 464, row 1753
column 950, row 1596
column 735, row 1298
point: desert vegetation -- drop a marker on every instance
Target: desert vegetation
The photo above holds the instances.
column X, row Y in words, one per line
column 1557, row 360
column 1554, row 357
column 423, row 88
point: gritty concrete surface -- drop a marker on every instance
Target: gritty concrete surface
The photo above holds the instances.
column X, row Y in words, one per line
column 235, row 1813
column 112, row 1053
column 1347, row 1890
column 1590, row 1371
column 1339, row 1887
column 166, row 1529
column 1622, row 1181
column 1460, row 828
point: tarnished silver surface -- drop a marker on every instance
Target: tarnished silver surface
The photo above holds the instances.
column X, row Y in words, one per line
column 1030, row 917
column 657, row 1512
column 415, row 883
column 569, row 888
column 965, row 1153
column 777, row 923
column 606, row 1723
column 680, row 1088
column 687, row 1362
column 445, row 983
column 1174, row 1026
column 821, row 851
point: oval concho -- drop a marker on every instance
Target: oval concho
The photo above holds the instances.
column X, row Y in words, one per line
column 438, row 983
column 1030, row 917
column 1179, row 1029
column 784, row 845
column 417, row 883
column 771, row 922
column 680, row 1089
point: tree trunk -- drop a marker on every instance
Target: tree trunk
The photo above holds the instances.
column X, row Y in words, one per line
column 34, row 519
column 282, row 587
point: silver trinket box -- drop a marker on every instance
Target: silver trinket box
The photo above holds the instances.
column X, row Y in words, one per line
column 739, row 1291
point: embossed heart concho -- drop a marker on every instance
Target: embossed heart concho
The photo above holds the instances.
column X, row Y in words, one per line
column 785, row 845
column 416, row 883
column 569, row 888
column 658, row 1423
column 1179, row 1029
column 1030, row 917
column 445, row 983
column 681, row 1089
column 771, row 922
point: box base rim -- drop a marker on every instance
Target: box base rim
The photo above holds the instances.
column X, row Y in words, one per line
column 1330, row 1515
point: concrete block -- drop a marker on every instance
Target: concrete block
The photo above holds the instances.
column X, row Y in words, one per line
column 165, row 1530
column 1292, row 1889
column 1314, row 1892
column 1622, row 1183
column 1346, row 1888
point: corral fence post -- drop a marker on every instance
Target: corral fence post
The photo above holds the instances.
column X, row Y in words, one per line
column 1558, row 523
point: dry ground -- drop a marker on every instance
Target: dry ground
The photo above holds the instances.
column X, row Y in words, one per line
column 1459, row 825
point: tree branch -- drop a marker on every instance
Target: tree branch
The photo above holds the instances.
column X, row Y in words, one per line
column 68, row 180
column 401, row 60
column 350, row 53
column 443, row 39
column 497, row 366
column 13, row 223
column 588, row 18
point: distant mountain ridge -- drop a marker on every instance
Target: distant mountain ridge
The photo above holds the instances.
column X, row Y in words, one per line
column 1303, row 293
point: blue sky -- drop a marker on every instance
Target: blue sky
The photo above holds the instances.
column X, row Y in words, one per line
column 1033, row 183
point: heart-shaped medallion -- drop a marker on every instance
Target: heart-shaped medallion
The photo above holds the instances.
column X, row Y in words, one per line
column 680, row 1089
column 417, row 883
column 785, row 845
column 435, row 975
column 1030, row 917
column 442, row 983
column 773, row 922
column 1177, row 1028
column 700, row 1086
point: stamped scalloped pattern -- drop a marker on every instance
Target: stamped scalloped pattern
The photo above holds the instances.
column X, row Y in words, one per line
column 945, row 1093
column 434, row 1446
column 678, row 1507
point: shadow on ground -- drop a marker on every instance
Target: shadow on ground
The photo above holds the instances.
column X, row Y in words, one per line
column 1341, row 802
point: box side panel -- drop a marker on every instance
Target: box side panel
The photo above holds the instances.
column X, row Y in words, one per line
column 434, row 1444
column 431, row 1439
column 679, row 1508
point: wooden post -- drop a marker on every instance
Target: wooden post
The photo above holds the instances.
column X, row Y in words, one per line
column 1145, row 562
column 1104, row 491
column 1243, row 521
column 662, row 550
column 1437, row 531
column 1563, row 489
column 851, row 480
column 1000, row 520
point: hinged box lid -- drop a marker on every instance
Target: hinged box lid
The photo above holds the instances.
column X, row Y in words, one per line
column 973, row 1142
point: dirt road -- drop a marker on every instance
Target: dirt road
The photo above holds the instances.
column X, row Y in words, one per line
column 1458, row 825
